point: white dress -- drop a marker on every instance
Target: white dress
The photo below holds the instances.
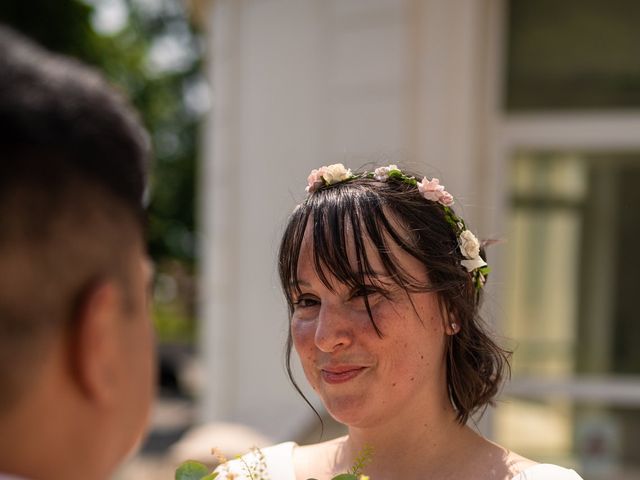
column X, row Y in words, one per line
column 279, row 466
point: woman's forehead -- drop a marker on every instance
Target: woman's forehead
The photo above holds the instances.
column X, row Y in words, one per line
column 372, row 254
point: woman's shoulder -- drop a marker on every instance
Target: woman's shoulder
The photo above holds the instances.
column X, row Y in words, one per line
column 275, row 462
column 510, row 465
column 321, row 460
column 547, row 471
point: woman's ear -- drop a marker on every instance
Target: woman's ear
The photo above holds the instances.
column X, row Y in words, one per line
column 449, row 318
column 94, row 340
column 452, row 327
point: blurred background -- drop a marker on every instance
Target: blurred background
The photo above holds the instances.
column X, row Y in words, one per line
column 528, row 111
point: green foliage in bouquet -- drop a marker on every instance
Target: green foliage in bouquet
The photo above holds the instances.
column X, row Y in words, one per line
column 192, row 470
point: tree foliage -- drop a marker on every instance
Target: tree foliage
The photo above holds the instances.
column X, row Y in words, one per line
column 129, row 58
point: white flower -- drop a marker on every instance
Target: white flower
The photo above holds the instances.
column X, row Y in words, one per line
column 336, row 173
column 327, row 175
column 382, row 173
column 470, row 248
column 469, row 245
column 471, row 265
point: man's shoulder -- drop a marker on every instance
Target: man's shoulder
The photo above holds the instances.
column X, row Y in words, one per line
column 5, row 476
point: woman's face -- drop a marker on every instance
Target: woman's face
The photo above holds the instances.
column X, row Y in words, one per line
column 364, row 379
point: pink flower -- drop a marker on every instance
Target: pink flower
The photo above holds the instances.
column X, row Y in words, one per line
column 314, row 180
column 432, row 190
column 446, row 199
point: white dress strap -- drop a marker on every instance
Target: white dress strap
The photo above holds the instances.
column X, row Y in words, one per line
column 279, row 466
column 280, row 461
column 547, row 471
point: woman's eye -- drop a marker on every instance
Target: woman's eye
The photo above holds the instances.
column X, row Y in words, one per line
column 305, row 302
column 362, row 292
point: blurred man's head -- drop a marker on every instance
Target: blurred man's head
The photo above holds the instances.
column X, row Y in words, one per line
column 75, row 338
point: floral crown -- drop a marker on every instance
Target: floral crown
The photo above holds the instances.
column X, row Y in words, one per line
column 430, row 190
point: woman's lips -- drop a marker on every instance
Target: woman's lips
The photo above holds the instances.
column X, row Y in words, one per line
column 335, row 375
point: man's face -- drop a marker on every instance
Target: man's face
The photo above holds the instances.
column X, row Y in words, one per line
column 137, row 359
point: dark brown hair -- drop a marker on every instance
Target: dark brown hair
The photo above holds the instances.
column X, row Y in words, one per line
column 73, row 172
column 345, row 215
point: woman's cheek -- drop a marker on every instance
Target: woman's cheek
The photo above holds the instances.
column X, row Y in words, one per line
column 303, row 334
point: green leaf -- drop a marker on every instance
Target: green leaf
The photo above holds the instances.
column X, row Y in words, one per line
column 192, row 470
column 345, row 476
column 364, row 457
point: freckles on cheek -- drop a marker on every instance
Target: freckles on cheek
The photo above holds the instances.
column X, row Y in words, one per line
column 302, row 333
column 303, row 342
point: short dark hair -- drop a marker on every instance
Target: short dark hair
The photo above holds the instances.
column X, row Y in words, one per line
column 395, row 212
column 53, row 104
column 73, row 168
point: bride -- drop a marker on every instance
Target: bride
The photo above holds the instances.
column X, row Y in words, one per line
column 383, row 281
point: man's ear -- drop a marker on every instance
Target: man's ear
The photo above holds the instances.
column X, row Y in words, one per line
column 94, row 339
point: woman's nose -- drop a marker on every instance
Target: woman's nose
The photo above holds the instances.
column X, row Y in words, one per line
column 333, row 330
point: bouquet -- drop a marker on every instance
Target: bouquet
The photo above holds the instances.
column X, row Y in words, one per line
column 192, row 470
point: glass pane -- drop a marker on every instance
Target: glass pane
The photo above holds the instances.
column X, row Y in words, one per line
column 572, row 308
column 574, row 263
column 546, row 225
column 539, row 430
column 594, row 440
column 573, row 54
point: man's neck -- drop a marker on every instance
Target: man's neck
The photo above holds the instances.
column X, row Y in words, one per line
column 49, row 435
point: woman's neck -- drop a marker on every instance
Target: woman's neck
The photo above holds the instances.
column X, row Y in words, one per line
column 407, row 446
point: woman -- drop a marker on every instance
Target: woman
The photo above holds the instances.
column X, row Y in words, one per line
column 383, row 282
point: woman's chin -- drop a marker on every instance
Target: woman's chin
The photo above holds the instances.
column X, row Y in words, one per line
column 351, row 411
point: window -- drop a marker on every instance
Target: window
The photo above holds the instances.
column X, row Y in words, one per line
column 573, row 54
column 574, row 278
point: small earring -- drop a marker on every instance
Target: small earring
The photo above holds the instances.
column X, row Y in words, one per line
column 454, row 327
